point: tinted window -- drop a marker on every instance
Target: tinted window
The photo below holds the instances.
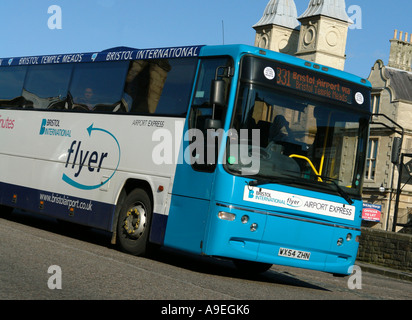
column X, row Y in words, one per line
column 202, row 109
column 203, row 112
column 160, row 86
column 46, row 86
column 11, row 82
column 98, row 86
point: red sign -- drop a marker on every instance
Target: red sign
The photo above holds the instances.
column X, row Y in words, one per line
column 371, row 212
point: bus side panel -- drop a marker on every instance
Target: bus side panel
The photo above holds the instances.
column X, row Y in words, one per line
column 158, row 228
column 73, row 209
column 186, row 224
column 189, row 205
column 73, row 159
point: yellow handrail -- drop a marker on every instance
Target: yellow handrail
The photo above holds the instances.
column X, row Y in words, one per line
column 310, row 163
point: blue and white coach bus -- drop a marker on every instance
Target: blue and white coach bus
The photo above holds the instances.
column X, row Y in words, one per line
column 225, row 151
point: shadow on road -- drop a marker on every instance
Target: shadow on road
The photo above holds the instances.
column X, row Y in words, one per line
column 225, row 268
column 194, row 263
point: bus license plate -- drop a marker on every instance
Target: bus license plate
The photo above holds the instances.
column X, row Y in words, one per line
column 294, row 254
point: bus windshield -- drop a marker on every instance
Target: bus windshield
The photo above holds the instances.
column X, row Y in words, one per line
column 306, row 142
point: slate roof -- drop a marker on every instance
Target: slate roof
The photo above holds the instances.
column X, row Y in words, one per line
column 281, row 13
column 400, row 82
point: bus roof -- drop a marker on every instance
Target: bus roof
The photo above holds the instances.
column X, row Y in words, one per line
column 127, row 53
column 238, row 50
column 114, row 54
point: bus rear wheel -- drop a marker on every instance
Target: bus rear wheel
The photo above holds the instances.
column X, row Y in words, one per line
column 134, row 222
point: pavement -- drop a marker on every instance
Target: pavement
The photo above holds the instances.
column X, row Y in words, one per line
column 388, row 272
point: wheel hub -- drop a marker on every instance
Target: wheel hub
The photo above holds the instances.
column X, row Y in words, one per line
column 135, row 221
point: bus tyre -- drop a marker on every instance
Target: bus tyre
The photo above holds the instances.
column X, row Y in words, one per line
column 133, row 225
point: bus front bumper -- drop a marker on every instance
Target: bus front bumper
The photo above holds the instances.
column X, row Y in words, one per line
column 282, row 239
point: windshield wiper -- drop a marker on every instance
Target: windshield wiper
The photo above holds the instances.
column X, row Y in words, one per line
column 257, row 182
column 283, row 178
column 339, row 189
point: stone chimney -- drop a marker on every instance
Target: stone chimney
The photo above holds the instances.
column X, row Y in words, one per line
column 401, row 51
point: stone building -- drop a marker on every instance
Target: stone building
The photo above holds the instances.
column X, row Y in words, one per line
column 318, row 35
column 391, row 96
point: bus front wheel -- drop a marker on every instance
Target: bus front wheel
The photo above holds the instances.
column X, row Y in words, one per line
column 134, row 222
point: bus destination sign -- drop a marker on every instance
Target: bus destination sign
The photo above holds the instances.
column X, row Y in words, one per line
column 312, row 83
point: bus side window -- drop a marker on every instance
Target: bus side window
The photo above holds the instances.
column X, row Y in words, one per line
column 11, row 86
column 46, row 86
column 160, row 86
column 202, row 110
column 99, row 86
column 145, row 83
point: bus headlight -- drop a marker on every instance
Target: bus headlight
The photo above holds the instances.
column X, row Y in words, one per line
column 226, row 216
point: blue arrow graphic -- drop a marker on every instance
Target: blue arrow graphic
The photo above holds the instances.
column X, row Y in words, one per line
column 77, row 185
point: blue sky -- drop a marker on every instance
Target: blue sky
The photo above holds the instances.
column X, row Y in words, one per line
column 94, row 25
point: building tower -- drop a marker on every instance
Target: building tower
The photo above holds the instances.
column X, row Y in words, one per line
column 323, row 33
column 400, row 56
column 278, row 29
